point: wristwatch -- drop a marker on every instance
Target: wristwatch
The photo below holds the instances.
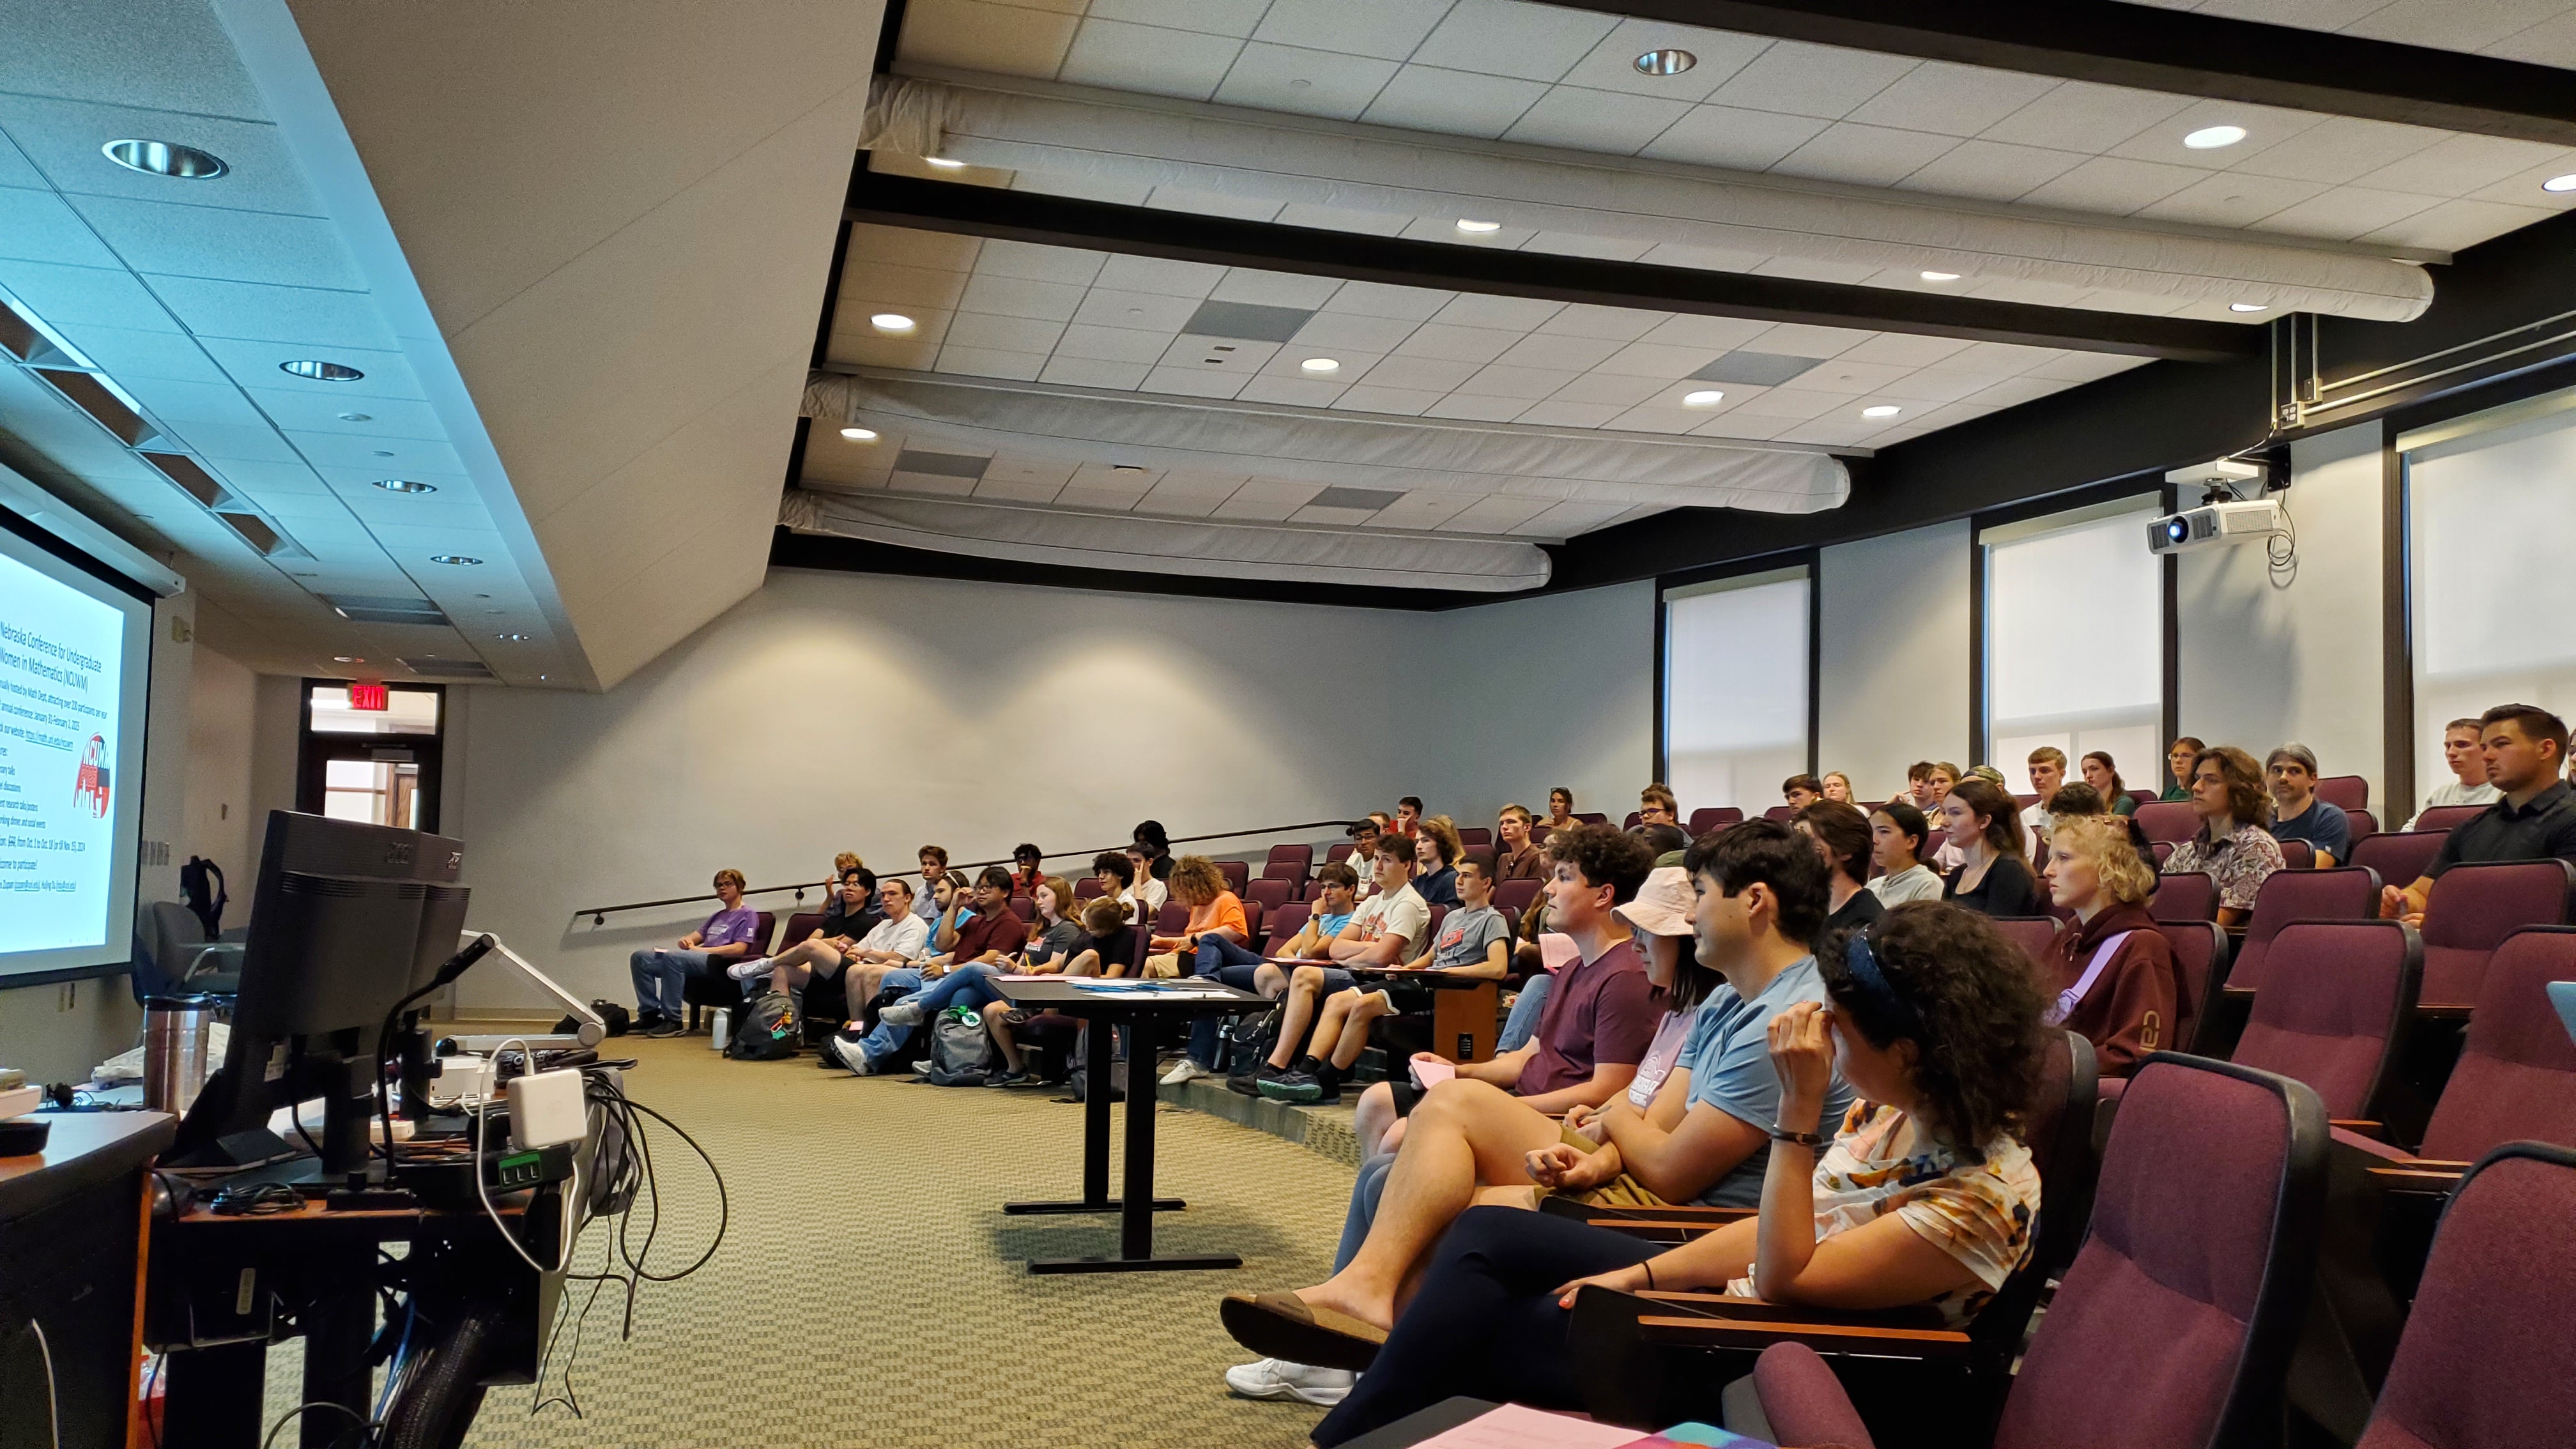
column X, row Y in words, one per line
column 1803, row 1139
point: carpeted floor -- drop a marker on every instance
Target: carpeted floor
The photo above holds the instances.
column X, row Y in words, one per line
column 870, row 1292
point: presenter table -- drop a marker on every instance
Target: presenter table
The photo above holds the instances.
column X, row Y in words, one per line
column 1146, row 1012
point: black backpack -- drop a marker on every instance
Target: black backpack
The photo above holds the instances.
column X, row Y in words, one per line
column 201, row 884
column 1248, row 1038
column 766, row 1030
column 611, row 1014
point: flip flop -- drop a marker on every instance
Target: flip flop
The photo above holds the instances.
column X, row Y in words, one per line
column 1285, row 1326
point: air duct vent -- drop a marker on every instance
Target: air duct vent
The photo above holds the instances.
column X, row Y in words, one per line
column 256, row 532
column 92, row 395
column 192, row 478
column 22, row 339
column 369, row 609
column 449, row 668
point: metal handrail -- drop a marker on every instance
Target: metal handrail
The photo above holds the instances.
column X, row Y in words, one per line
column 599, row 914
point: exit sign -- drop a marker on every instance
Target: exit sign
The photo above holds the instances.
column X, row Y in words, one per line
column 369, row 696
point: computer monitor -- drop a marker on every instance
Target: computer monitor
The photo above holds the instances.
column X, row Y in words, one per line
column 341, row 919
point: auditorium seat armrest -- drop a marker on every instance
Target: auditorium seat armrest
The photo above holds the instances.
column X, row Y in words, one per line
column 1752, row 1310
column 2375, row 1131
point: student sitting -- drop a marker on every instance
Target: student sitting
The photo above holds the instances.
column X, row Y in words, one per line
column 1407, row 820
column 970, row 983
column 1560, row 810
column 2105, row 779
column 662, row 974
column 1215, row 912
column 2047, row 766
column 1387, row 929
column 1436, row 853
column 1841, row 836
column 1657, row 806
column 1059, row 928
column 2465, row 752
column 1922, row 1195
column 991, row 934
column 1801, row 791
column 1027, row 869
column 1992, row 878
column 1896, row 833
column 1474, row 941
column 2114, row 972
column 1704, row 1137
column 848, row 918
column 2182, row 758
column 2297, row 814
column 1918, row 789
column 1235, row 964
column 1838, row 788
column 1153, row 847
column 1518, row 857
column 1144, row 893
column 2526, row 749
column 2232, row 847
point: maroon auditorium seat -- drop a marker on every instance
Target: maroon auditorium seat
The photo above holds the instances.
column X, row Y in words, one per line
column 2189, row 896
column 1778, row 812
column 2212, row 1265
column 1338, row 854
column 1252, row 914
column 1284, row 923
column 1516, row 895
column 1591, row 817
column 2031, row 933
column 1472, row 836
column 1289, row 862
column 2488, row 1357
column 2446, row 818
column 1088, row 888
column 2200, row 968
column 1714, row 817
column 2298, row 855
column 2400, row 856
column 1631, row 822
column 2163, row 851
column 1024, row 907
column 2333, row 1009
column 2364, row 824
column 2171, row 821
column 2473, row 909
column 1172, row 919
column 1237, row 874
column 2516, row 1077
column 799, row 926
column 2346, row 893
column 1270, row 891
column 2346, row 793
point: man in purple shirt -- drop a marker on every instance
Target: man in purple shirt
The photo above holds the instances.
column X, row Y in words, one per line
column 660, row 974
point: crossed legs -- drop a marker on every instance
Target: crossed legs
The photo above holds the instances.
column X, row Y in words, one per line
column 790, row 969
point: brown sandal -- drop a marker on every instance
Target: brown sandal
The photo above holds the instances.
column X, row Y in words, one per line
column 1285, row 1326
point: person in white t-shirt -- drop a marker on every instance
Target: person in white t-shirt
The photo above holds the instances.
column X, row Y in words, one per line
column 2047, row 772
column 2460, row 750
column 1896, row 832
column 898, row 940
column 1388, row 929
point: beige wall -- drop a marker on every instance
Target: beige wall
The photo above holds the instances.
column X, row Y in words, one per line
column 1892, row 686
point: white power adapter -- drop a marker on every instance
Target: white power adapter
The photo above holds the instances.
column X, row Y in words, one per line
column 547, row 1108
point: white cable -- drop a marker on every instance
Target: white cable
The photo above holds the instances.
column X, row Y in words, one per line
column 527, row 1061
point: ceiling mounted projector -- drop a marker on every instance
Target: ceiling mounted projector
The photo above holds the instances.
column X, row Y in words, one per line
column 2214, row 525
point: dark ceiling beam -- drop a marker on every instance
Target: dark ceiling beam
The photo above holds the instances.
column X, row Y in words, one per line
column 2173, row 51
column 982, row 211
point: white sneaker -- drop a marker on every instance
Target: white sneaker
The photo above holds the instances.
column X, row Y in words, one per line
column 1276, row 1378
column 848, row 1054
column 750, row 971
column 1184, row 1072
column 901, row 1013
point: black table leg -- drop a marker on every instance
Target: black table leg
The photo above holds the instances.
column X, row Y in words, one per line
column 1138, row 1203
column 1095, row 1134
column 211, row 1397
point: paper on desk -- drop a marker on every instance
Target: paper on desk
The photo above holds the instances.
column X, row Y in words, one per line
column 1514, row 1427
column 1556, row 950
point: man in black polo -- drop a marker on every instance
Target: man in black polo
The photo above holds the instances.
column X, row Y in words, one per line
column 2526, row 748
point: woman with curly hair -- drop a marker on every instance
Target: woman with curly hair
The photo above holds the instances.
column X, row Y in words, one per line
column 2114, row 971
column 1214, row 911
column 1922, row 1194
column 2234, row 846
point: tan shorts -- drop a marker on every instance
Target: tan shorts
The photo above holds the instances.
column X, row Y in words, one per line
column 1621, row 1191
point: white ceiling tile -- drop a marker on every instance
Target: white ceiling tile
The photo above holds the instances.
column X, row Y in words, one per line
column 1010, row 334
column 1380, row 299
column 1992, row 170
column 1212, row 203
column 1111, row 189
column 353, row 418
column 2013, row 391
column 1037, row 263
column 1478, row 407
column 1332, row 330
column 1099, row 500
column 1160, row 277
column 2451, row 24
column 875, row 288
column 1864, row 155
column 1457, row 344
column 2265, row 126
column 2231, row 198
column 1452, row 102
column 1330, row 218
column 1798, row 79
column 2524, row 189
column 1403, row 401
column 1518, row 314
column 1734, row 137
column 991, row 362
column 914, row 353
column 1333, row 517
column 1111, row 344
column 1845, row 376
column 1496, row 512
column 1956, row 100
column 1217, row 354
column 1107, row 307
column 1445, row 229
column 2552, row 42
column 1648, row 359
column 2085, row 366
column 1304, row 82
column 997, row 39
column 2347, row 212
column 1147, row 58
column 36, row 226
column 2457, row 224
column 1608, row 389
column 935, row 484
column 1260, row 510
column 1942, row 383
column 1605, row 121
column 1290, row 360
column 1195, row 382
column 2461, row 165
column 1517, row 382
column 388, row 374
column 1832, row 431
column 1274, row 289
column 62, row 138
column 1900, row 349
column 1501, row 37
column 1543, row 349
column 1390, row 29
column 129, row 354
column 1707, row 259
column 326, row 450
column 2113, row 185
column 1199, row 484
column 202, row 241
column 1019, row 297
column 1571, row 517
column 1010, row 490
column 1812, row 269
column 90, row 296
column 1298, row 391
column 2336, row 150
column 1423, row 373
column 2003, row 359
column 1790, row 402
column 1212, row 17
column 1799, row 339
column 1691, row 330
column 1658, row 417
column 1094, row 372
column 2083, row 116
column 1562, row 413
column 1614, row 324
column 1612, row 64
column 1572, row 244
column 1423, row 508
column 177, row 402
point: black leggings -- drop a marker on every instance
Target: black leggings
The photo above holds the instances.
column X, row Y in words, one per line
column 1485, row 1323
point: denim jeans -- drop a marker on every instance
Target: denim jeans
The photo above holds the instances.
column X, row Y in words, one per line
column 1522, row 1024
column 881, row 1041
column 1230, row 965
column 973, row 982
column 1365, row 1192
column 659, row 975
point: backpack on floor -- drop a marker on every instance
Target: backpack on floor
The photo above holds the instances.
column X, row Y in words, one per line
column 961, row 1054
column 766, row 1030
column 1247, row 1039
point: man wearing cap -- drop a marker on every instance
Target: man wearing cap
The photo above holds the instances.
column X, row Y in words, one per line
column 2297, row 813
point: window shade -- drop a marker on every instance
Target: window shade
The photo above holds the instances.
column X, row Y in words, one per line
column 2075, row 645
column 1735, row 691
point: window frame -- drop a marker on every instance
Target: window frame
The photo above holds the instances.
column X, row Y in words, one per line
column 2106, row 498
column 1687, row 581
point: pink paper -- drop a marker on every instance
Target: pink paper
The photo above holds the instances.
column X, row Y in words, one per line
column 1427, row 1075
column 1515, row 1427
column 1556, row 950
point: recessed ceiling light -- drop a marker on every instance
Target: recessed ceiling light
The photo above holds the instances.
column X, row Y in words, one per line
column 346, row 659
column 860, row 435
column 2210, row 138
column 2248, row 307
column 1940, row 276
column 1883, row 410
column 512, row 638
column 1664, row 62
column 320, row 371
column 1704, row 399
column 165, row 158
column 944, row 164
column 405, row 485
column 2560, row 183
column 1321, row 364
column 459, row 559
column 1478, row 228
column 891, row 322
column 357, row 417
column 1126, row 467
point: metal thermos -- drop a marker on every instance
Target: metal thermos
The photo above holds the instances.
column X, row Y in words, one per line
column 719, row 1026
column 177, row 1033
